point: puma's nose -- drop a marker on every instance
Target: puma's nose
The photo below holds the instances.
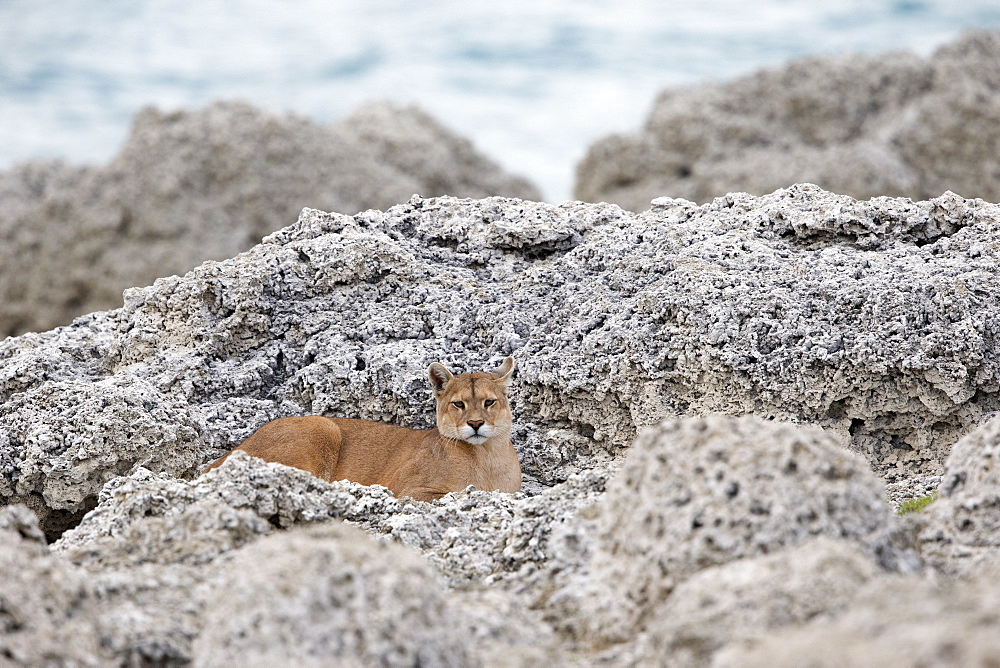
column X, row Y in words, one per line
column 475, row 424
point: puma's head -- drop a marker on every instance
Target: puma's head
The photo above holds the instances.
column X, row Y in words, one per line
column 472, row 407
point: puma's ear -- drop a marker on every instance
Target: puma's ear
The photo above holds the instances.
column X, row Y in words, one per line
column 503, row 373
column 439, row 376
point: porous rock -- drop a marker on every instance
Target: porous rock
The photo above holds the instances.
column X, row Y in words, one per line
column 46, row 606
column 697, row 493
column 888, row 124
column 743, row 599
column 875, row 320
column 471, row 536
column 896, row 622
column 330, row 591
column 101, row 429
column 960, row 530
column 163, row 553
column 190, row 186
column 53, row 612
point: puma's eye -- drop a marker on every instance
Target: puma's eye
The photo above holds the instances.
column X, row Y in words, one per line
column 489, row 402
column 460, row 405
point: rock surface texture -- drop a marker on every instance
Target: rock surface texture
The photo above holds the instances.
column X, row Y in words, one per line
column 700, row 493
column 654, row 525
column 191, row 186
column 962, row 528
column 893, row 124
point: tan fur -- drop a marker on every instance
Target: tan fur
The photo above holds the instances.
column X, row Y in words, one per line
column 423, row 464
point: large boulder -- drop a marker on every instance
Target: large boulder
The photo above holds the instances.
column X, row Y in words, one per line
column 744, row 599
column 190, row 186
column 897, row 622
column 331, row 593
column 891, row 124
column 875, row 320
column 699, row 493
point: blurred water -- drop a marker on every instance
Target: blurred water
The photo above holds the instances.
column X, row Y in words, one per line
column 532, row 84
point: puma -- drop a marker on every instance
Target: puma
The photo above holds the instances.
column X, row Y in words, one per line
column 471, row 445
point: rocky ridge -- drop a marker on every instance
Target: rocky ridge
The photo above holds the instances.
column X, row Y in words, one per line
column 190, row 186
column 888, row 124
column 651, row 527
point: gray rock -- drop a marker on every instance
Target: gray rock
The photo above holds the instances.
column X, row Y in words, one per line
column 891, row 124
column 471, row 536
column 19, row 525
column 100, row 430
column 191, row 186
column 163, row 554
column 873, row 320
column 698, row 493
column 960, row 531
column 744, row 599
column 308, row 596
column 46, row 607
column 898, row 622
column 872, row 323
column 55, row 613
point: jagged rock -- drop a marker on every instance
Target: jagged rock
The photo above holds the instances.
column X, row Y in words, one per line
column 890, row 124
column 100, row 429
column 191, row 186
column 702, row 492
column 875, row 320
column 157, row 518
column 899, row 622
column 164, row 580
column 471, row 536
column 54, row 613
column 960, row 531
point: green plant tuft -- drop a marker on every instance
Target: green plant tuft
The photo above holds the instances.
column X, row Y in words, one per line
column 917, row 504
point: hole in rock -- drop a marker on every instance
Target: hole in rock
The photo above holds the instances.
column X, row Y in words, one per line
column 58, row 522
column 542, row 251
column 837, row 410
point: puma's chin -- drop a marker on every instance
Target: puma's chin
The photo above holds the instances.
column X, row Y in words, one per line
column 470, row 435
